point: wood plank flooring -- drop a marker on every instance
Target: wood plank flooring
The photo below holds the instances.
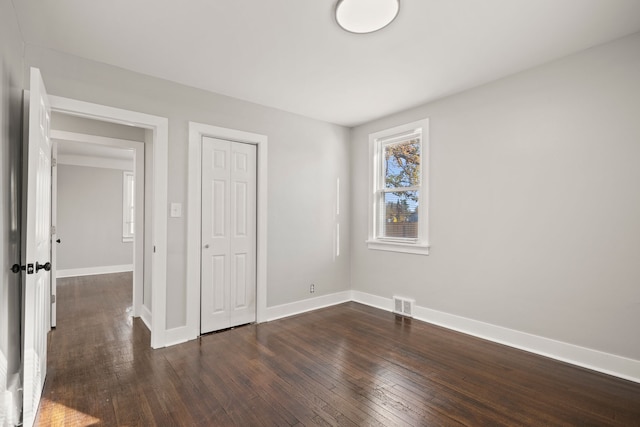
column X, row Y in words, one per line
column 347, row 365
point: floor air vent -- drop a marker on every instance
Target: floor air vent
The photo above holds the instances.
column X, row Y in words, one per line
column 403, row 306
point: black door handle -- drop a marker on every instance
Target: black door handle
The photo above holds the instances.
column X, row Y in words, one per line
column 58, row 241
column 16, row 268
column 46, row 266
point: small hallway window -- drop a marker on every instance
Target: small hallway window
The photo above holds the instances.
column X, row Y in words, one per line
column 128, row 206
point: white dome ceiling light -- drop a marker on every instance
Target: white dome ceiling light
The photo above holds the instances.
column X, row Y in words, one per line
column 366, row 16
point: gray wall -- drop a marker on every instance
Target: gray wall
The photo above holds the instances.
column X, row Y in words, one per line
column 535, row 205
column 90, row 218
column 11, row 83
column 305, row 158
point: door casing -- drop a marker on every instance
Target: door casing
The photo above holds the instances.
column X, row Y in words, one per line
column 159, row 127
column 196, row 132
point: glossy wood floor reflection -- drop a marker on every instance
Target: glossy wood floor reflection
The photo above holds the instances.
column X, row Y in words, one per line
column 348, row 365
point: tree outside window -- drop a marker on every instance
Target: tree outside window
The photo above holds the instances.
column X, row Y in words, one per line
column 399, row 208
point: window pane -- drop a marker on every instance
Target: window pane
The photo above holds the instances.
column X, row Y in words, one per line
column 402, row 164
column 399, row 215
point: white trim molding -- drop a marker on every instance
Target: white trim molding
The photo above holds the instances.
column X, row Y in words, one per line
column 5, row 395
column 146, row 317
column 94, row 162
column 595, row 360
column 92, row 271
column 183, row 334
column 159, row 127
column 310, row 304
column 196, row 132
column 398, row 247
column 10, row 398
column 178, row 335
column 611, row 364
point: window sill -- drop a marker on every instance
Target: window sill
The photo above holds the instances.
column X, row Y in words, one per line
column 409, row 248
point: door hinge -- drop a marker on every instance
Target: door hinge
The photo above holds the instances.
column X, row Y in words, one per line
column 53, row 230
column 53, row 299
column 54, row 162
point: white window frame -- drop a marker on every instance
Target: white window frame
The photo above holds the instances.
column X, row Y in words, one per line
column 377, row 140
column 128, row 205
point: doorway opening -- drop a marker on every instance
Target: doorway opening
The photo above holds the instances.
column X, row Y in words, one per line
column 156, row 170
column 100, row 225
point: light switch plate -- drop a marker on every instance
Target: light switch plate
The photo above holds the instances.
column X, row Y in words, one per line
column 176, row 210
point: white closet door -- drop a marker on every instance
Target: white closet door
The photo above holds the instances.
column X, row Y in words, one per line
column 228, row 277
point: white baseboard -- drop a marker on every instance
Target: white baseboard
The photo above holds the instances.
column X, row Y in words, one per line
column 372, row 300
column 4, row 393
column 145, row 316
column 607, row 363
column 290, row 309
column 178, row 336
column 595, row 360
column 183, row 334
column 91, row 271
column 11, row 401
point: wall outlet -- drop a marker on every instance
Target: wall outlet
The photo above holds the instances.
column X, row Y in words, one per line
column 312, row 288
column 176, row 210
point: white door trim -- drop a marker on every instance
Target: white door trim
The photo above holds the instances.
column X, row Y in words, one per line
column 196, row 132
column 54, row 236
column 138, row 241
column 160, row 130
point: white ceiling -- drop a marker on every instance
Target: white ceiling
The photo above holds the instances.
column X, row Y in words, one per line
column 291, row 55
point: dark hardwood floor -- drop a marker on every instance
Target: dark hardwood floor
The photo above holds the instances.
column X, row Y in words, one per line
column 347, row 365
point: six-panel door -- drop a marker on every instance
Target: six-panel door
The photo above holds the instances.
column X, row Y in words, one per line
column 37, row 283
column 228, row 276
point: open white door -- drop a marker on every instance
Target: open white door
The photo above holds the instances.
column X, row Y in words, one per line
column 37, row 244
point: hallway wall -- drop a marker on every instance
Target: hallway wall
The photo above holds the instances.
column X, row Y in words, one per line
column 90, row 218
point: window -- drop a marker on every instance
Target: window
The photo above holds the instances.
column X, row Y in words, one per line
column 128, row 206
column 399, row 205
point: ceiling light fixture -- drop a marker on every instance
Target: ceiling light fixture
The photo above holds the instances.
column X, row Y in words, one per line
column 366, row 16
